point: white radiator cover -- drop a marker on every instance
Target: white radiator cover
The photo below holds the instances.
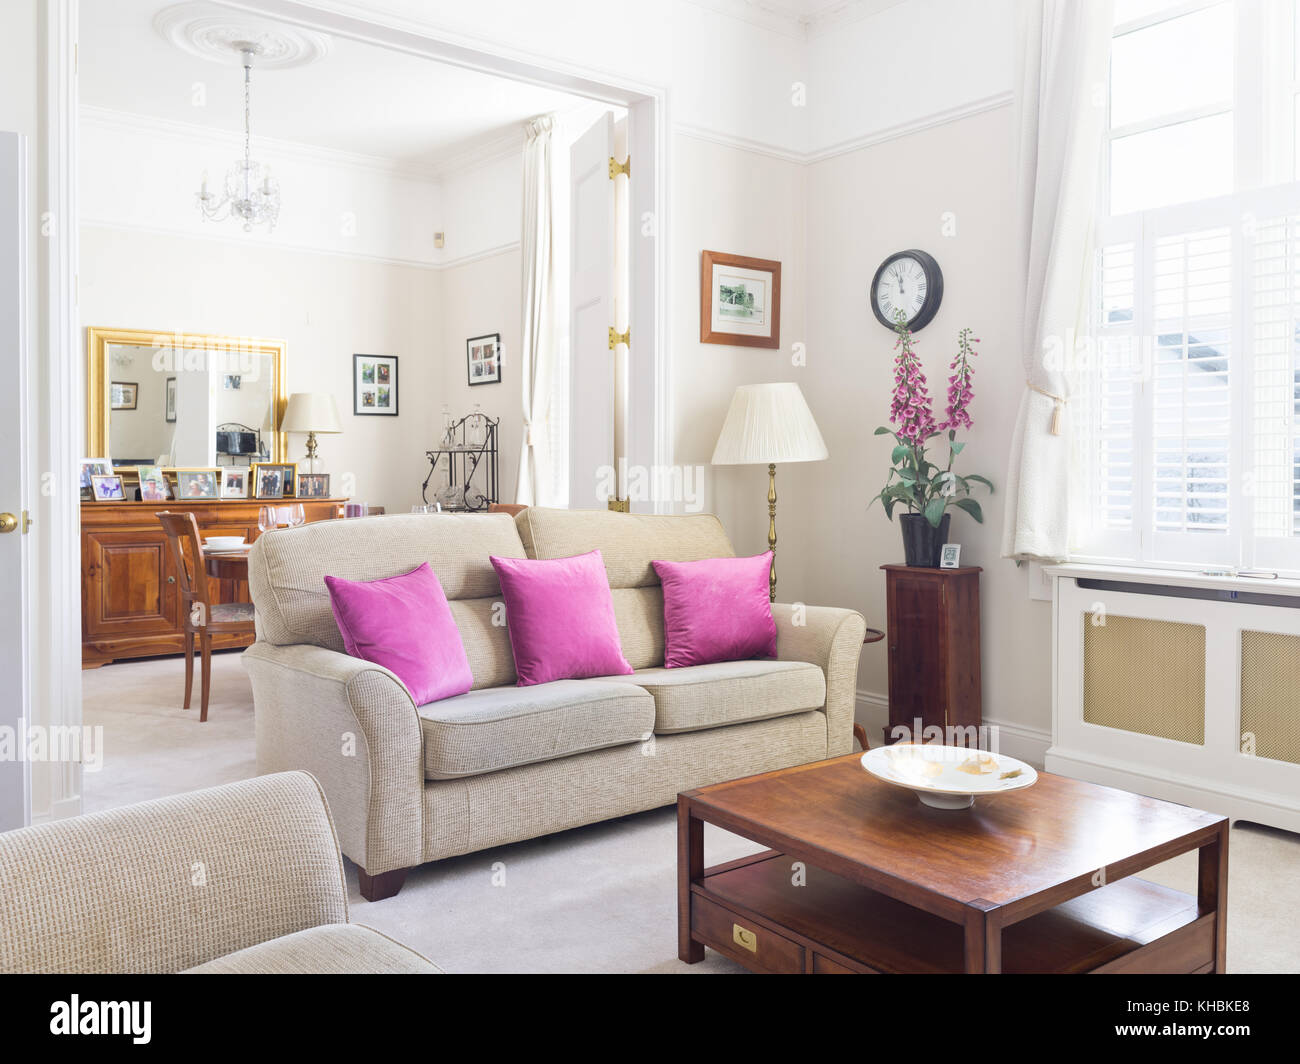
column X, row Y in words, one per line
column 1220, row 768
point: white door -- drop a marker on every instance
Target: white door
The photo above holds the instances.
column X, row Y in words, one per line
column 591, row 314
column 15, row 808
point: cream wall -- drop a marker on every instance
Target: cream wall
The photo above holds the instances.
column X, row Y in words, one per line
column 745, row 203
column 886, row 198
column 325, row 307
column 481, row 297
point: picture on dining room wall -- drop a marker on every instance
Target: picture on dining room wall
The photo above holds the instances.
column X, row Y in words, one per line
column 740, row 300
column 169, row 404
column 483, row 359
column 123, row 395
column 374, row 385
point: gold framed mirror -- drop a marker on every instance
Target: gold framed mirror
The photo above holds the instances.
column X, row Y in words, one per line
column 183, row 399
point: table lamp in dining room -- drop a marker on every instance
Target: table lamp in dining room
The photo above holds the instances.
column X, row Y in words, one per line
column 769, row 424
column 313, row 413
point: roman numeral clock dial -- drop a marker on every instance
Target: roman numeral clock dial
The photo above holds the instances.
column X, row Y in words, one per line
column 910, row 282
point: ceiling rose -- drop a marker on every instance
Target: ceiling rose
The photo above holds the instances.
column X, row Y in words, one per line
column 218, row 34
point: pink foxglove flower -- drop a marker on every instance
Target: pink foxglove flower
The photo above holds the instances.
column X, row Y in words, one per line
column 911, row 410
column 961, row 384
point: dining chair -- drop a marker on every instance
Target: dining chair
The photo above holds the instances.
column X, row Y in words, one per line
column 203, row 617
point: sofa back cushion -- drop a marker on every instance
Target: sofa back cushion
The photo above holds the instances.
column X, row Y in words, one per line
column 628, row 543
column 287, row 570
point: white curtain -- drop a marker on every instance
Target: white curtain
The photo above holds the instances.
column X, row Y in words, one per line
column 538, row 348
column 1063, row 54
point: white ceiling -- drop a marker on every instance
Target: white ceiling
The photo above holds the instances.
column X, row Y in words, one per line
column 358, row 97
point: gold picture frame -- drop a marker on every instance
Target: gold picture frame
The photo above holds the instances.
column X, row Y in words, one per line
column 97, row 383
column 288, row 479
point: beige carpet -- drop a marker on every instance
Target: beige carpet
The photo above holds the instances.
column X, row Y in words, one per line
column 598, row 899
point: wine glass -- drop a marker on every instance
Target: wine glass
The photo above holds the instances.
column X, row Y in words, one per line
column 266, row 519
column 295, row 515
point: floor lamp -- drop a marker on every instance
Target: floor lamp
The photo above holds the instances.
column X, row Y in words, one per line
column 769, row 424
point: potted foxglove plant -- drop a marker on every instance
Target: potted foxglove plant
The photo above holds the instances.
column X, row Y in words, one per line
column 928, row 490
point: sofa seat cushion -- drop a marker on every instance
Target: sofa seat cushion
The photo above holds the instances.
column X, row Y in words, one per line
column 730, row 692
column 330, row 949
column 495, row 728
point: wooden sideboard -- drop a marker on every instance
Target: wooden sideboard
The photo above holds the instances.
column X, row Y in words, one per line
column 130, row 599
column 934, row 648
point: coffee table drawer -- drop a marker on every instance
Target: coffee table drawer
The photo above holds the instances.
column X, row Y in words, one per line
column 744, row 941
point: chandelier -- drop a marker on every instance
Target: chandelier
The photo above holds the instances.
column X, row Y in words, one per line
column 251, row 193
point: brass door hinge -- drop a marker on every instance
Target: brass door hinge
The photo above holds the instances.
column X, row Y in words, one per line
column 616, row 338
column 618, row 505
column 616, row 168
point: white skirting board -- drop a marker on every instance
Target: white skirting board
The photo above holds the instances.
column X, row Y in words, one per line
column 1015, row 740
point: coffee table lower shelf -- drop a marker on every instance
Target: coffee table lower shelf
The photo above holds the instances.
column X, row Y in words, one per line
column 754, row 912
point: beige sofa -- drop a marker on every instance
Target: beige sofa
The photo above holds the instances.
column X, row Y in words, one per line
column 241, row 878
column 409, row 784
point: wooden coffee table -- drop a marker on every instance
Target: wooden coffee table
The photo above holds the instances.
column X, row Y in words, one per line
column 861, row 877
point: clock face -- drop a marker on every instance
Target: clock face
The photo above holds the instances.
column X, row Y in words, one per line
column 911, row 282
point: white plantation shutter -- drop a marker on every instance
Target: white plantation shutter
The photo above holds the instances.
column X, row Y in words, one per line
column 1191, row 383
column 1274, row 486
column 1107, row 407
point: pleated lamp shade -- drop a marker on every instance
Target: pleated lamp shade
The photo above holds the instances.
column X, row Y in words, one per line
column 769, row 423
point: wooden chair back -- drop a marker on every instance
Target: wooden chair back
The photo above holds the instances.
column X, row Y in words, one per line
column 510, row 508
column 183, row 532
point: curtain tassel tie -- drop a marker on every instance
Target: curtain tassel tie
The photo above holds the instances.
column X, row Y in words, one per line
column 1058, row 409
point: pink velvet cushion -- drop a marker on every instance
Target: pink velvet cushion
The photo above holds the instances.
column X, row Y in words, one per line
column 560, row 615
column 717, row 610
column 404, row 624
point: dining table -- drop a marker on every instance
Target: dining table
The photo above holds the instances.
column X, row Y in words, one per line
column 227, row 564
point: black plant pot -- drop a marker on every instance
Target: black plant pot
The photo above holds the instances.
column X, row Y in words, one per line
column 922, row 542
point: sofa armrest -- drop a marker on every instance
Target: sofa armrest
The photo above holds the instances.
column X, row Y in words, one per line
column 831, row 638
column 352, row 725
column 171, row 883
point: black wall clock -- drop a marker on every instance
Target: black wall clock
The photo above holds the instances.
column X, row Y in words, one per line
column 910, row 281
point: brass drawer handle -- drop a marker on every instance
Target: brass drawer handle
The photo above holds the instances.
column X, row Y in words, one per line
column 744, row 938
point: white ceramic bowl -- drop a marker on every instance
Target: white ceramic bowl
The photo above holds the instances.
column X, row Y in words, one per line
column 224, row 542
column 947, row 777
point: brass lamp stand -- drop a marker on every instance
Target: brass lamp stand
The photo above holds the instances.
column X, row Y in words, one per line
column 767, row 424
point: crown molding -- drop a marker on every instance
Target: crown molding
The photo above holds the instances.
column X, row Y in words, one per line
column 867, row 140
column 916, row 125
column 727, row 140
column 467, row 156
column 275, row 244
column 792, row 18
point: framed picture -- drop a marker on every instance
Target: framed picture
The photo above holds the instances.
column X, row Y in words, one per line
column 107, row 488
column 234, row 482
column 740, row 300
column 273, row 480
column 374, row 385
column 169, row 405
column 313, row 485
column 153, row 484
column 198, row 483
column 950, row 556
column 231, row 382
column 93, row 467
column 122, row 395
column 483, row 359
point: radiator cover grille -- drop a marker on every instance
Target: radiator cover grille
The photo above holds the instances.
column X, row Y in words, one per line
column 1145, row 676
column 1270, row 694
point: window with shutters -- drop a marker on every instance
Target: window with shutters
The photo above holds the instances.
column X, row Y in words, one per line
column 1188, row 402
